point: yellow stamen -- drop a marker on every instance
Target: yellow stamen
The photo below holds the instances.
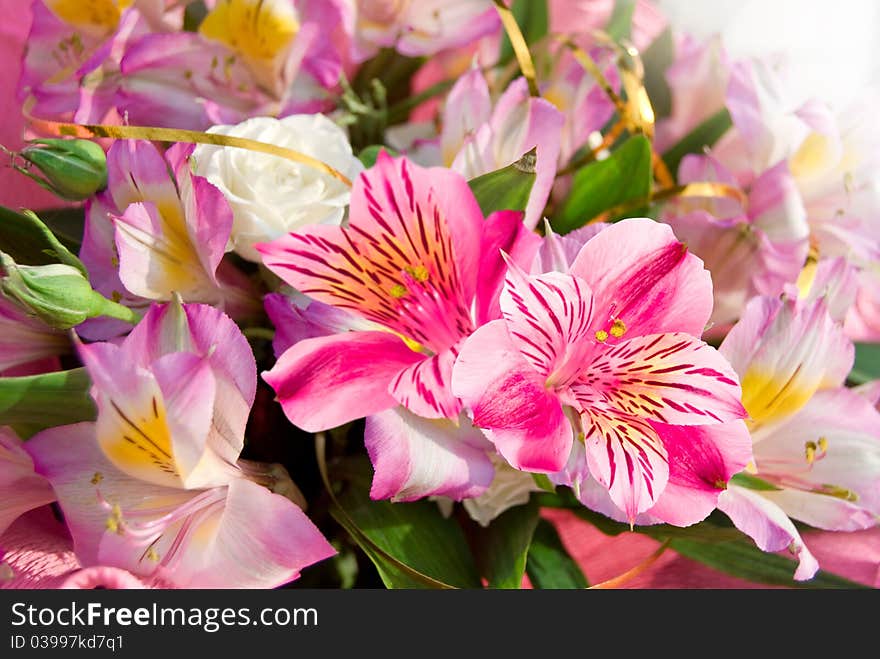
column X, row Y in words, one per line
column 152, row 555
column 97, row 478
column 823, row 444
column 810, row 451
column 398, row 291
column 419, row 273
column 602, row 336
column 618, row 328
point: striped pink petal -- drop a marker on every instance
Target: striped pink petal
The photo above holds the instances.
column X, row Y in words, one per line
column 671, row 378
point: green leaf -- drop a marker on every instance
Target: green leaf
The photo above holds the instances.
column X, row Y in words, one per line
column 67, row 224
column 600, row 186
column 656, row 59
column 746, row 561
column 507, row 188
column 715, row 528
column 746, row 480
column 30, row 242
column 867, row 364
column 533, row 19
column 411, row 544
column 704, row 135
column 549, row 566
column 542, row 481
column 620, row 24
column 36, row 402
column 502, row 547
column 368, row 155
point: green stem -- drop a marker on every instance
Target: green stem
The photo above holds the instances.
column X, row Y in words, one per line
column 112, row 309
column 259, row 333
column 400, row 111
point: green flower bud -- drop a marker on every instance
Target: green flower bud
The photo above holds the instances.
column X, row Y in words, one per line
column 58, row 294
column 74, row 169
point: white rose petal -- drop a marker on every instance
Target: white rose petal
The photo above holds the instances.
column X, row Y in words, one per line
column 269, row 195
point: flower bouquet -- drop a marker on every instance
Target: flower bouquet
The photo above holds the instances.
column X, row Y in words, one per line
column 364, row 293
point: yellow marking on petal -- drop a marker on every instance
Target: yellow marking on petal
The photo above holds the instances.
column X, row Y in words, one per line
column 813, row 156
column 751, row 468
column 256, row 29
column 112, row 525
column 398, row 291
column 618, row 328
column 601, row 336
column 152, row 555
column 93, row 15
column 766, row 397
column 139, row 441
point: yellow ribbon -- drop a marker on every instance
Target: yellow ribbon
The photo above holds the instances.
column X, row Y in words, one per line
column 89, row 131
column 520, row 47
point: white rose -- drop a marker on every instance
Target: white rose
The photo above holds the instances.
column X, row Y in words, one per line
column 271, row 196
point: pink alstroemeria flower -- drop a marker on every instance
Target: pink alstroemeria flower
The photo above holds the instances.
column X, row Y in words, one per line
column 71, row 66
column 755, row 248
column 482, row 142
column 249, row 58
column 611, row 347
column 816, row 443
column 155, row 486
column 419, row 269
column 151, row 235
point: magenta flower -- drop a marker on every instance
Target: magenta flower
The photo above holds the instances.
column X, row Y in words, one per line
column 155, row 486
column 611, row 347
column 421, row 266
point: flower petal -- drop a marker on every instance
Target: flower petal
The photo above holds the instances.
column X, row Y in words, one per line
column 626, row 455
column 424, row 387
column 671, row 378
column 408, row 258
column 845, row 466
column 701, row 461
column 784, row 351
column 415, row 457
column 20, row 488
column 766, row 524
column 523, row 419
column 258, row 540
column 548, row 318
column 639, row 273
column 132, row 427
column 327, row 381
column 505, row 232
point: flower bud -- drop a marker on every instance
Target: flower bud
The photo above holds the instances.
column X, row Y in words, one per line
column 58, row 294
column 73, row 169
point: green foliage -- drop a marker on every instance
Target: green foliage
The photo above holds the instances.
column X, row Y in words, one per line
column 533, row 19
column 625, row 176
column 35, row 402
column 507, row 188
column 549, row 565
column 502, row 547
